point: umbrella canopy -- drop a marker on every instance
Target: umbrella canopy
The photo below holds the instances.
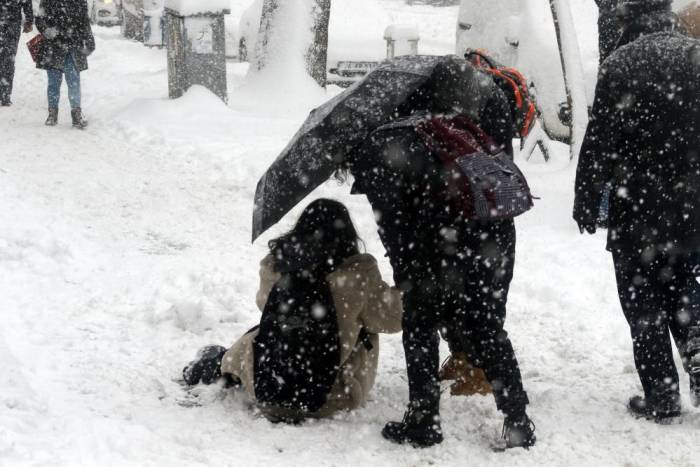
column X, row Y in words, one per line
column 333, row 130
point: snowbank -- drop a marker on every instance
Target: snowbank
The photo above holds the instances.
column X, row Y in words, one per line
column 192, row 114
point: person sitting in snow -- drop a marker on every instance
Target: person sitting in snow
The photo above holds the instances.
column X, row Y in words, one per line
column 643, row 138
column 324, row 303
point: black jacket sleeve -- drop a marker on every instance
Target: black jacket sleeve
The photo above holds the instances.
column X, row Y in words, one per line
column 599, row 150
column 88, row 37
column 28, row 11
column 42, row 16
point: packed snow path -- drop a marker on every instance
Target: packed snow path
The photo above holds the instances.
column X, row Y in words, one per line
column 125, row 247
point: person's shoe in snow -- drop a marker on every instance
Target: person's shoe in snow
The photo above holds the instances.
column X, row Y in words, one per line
column 419, row 428
column 518, row 432
column 78, row 120
column 52, row 119
column 5, row 103
column 206, row 367
column 666, row 415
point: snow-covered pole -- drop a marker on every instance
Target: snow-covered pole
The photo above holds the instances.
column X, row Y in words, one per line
column 573, row 72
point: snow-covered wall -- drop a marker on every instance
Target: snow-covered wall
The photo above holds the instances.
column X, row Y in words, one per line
column 195, row 7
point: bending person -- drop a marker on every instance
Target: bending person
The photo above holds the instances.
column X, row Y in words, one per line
column 322, row 351
column 455, row 272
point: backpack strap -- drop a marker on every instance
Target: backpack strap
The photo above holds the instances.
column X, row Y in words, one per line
column 516, row 83
column 452, row 137
column 363, row 338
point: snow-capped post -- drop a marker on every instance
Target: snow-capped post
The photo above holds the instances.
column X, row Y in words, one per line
column 573, row 72
column 292, row 31
column 401, row 40
column 196, row 45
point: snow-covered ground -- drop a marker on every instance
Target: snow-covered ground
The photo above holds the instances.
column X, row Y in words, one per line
column 125, row 247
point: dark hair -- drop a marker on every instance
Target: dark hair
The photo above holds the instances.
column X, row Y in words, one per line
column 323, row 237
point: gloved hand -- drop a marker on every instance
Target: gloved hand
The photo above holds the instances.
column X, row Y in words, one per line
column 588, row 227
column 28, row 26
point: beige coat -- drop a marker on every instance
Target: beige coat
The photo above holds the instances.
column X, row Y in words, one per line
column 690, row 19
column 362, row 299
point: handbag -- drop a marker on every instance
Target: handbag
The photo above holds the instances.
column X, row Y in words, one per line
column 34, row 46
column 483, row 182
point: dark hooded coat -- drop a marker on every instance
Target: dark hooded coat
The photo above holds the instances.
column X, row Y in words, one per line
column 403, row 180
column 65, row 25
column 644, row 138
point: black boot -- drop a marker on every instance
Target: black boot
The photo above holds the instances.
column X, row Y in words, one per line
column 420, row 428
column 694, row 370
column 77, row 117
column 206, row 367
column 664, row 414
column 694, row 376
column 52, row 119
column 518, row 432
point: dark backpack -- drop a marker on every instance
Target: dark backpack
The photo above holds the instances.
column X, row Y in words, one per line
column 482, row 181
column 297, row 350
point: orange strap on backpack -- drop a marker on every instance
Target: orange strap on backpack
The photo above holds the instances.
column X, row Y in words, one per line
column 525, row 104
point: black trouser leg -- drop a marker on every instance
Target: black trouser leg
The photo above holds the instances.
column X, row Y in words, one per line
column 482, row 317
column 683, row 297
column 480, row 312
column 421, row 347
column 647, row 297
column 9, row 39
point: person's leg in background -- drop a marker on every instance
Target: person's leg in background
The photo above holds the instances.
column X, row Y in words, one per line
column 683, row 296
column 642, row 290
column 53, row 90
column 74, row 91
column 9, row 39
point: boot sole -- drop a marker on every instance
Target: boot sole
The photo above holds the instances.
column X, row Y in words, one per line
column 413, row 442
column 667, row 420
column 496, row 447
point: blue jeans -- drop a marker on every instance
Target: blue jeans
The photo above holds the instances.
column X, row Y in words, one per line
column 72, row 80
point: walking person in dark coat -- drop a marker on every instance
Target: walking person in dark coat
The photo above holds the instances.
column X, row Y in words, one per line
column 10, row 25
column 455, row 273
column 68, row 41
column 644, row 139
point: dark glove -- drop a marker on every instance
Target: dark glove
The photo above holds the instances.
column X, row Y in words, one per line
column 28, row 26
column 589, row 227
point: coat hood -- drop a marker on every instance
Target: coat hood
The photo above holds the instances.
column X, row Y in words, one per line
column 642, row 17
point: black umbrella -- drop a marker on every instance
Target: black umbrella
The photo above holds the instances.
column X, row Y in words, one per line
column 333, row 130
